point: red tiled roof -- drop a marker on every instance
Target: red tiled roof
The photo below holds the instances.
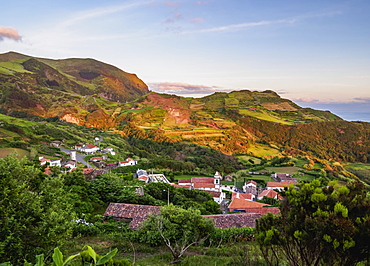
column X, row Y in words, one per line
column 204, row 180
column 215, row 194
column 90, row 146
column 143, row 178
column 234, row 220
column 87, row 170
column 203, row 185
column 242, row 204
column 244, row 196
column 47, row 171
column 263, row 210
column 269, row 193
column 138, row 213
column 251, row 182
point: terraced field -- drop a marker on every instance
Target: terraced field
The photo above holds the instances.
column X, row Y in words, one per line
column 19, row 153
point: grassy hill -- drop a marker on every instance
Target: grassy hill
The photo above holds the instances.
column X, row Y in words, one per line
column 90, row 93
column 69, row 89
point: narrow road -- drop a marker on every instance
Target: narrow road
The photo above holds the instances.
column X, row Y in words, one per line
column 80, row 157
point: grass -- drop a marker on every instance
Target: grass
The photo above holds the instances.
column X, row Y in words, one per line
column 261, row 177
column 20, row 153
column 245, row 158
column 286, row 169
column 138, row 110
column 12, row 66
column 6, row 133
column 260, row 150
column 263, row 116
column 306, row 178
column 301, row 162
column 357, row 166
column 16, row 121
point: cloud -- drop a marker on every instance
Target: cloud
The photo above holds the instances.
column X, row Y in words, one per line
column 241, row 26
column 237, row 27
column 202, row 2
column 9, row 33
column 196, row 20
column 172, row 4
column 362, row 99
column 98, row 12
column 306, row 100
column 182, row 88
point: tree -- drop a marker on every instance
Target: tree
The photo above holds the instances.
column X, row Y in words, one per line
column 318, row 226
column 179, row 228
column 35, row 213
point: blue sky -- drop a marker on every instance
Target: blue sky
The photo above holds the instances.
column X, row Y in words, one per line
column 315, row 53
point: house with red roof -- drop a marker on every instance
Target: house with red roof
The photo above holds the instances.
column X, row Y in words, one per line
column 279, row 185
column 218, row 196
column 89, row 149
column 127, row 162
column 209, row 184
column 269, row 193
column 71, row 165
column 250, row 187
column 251, row 207
column 244, row 196
column 136, row 214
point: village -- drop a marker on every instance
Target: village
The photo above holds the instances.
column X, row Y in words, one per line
column 240, row 207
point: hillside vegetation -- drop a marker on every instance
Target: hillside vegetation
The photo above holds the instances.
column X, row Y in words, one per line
column 90, row 93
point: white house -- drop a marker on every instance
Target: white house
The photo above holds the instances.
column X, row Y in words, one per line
column 70, row 164
column 128, row 162
column 218, row 196
column 89, row 149
column 54, row 162
column 250, row 187
column 279, row 185
column 142, row 175
column 109, row 150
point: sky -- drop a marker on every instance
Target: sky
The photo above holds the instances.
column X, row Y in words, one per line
column 313, row 52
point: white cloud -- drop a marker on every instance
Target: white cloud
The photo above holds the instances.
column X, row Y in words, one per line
column 182, row 88
column 305, row 100
column 241, row 26
column 98, row 12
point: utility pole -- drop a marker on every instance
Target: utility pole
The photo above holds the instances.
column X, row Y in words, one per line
column 168, row 196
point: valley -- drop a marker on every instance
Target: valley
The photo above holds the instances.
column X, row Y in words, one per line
column 116, row 126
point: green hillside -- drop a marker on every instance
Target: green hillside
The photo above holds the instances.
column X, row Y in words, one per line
column 90, row 93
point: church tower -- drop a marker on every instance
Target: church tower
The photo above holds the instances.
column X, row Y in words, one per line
column 217, row 180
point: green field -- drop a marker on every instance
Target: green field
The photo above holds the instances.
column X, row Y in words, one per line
column 16, row 121
column 263, row 116
column 286, row 169
column 259, row 150
column 357, row 166
column 12, row 66
column 245, row 158
column 18, row 152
